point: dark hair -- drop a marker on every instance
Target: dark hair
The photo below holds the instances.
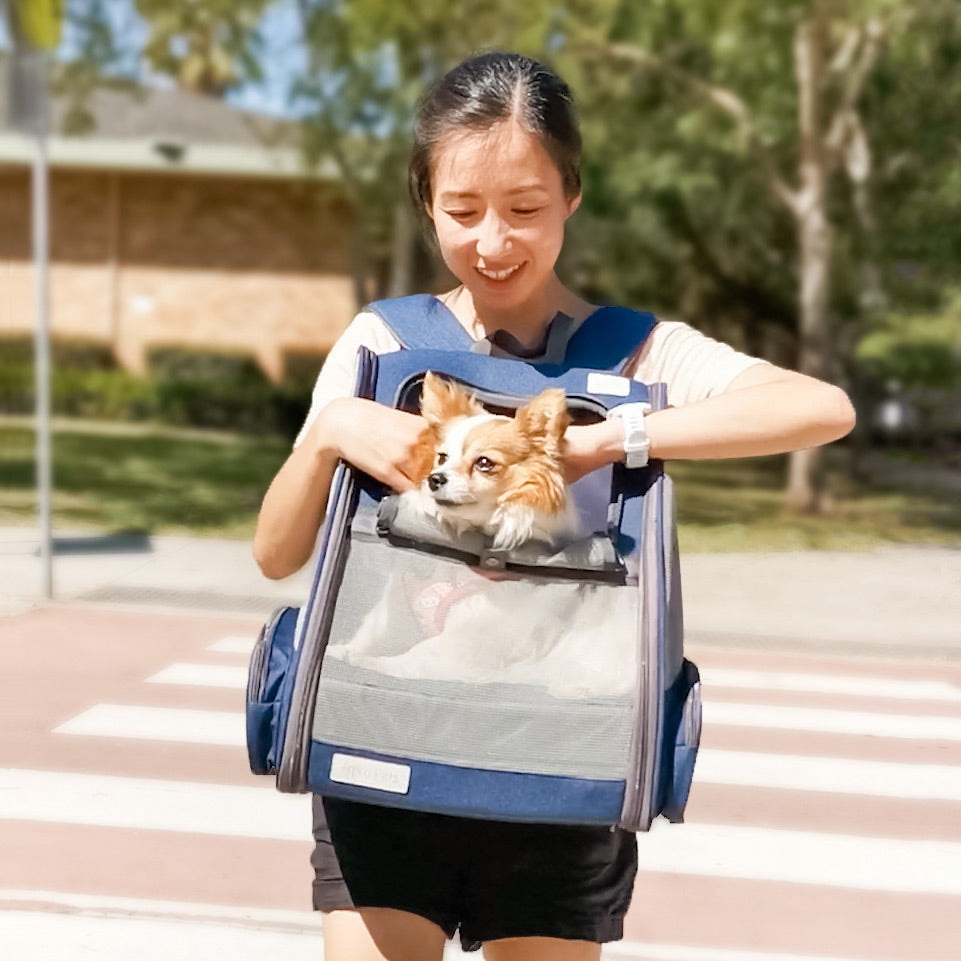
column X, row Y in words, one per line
column 487, row 90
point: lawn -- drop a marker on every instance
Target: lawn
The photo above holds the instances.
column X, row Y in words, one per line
column 118, row 477
column 133, row 478
column 737, row 506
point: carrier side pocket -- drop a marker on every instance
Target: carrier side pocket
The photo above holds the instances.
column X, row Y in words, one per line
column 686, row 742
column 269, row 662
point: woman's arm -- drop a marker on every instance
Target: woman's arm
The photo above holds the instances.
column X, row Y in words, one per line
column 377, row 439
column 765, row 410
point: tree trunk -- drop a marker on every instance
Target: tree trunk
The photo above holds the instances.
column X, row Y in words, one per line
column 360, row 264
column 815, row 243
column 402, row 249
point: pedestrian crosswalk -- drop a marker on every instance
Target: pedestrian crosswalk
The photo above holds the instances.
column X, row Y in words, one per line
column 823, row 824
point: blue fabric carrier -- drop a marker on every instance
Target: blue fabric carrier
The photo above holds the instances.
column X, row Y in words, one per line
column 561, row 693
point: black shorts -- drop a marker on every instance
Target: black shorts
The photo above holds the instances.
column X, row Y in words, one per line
column 490, row 879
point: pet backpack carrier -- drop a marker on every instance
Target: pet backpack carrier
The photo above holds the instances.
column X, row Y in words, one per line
column 573, row 703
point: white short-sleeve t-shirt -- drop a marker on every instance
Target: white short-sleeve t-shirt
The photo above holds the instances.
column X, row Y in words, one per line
column 692, row 365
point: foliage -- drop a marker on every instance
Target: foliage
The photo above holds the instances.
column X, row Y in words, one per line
column 70, row 360
column 207, row 388
column 207, row 47
column 102, row 61
column 917, row 351
column 187, row 387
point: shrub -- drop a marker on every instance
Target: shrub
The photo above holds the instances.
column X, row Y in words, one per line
column 69, row 360
column 103, row 395
column 207, row 388
column 185, row 386
column 292, row 397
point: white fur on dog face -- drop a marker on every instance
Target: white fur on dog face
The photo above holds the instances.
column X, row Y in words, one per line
column 451, row 462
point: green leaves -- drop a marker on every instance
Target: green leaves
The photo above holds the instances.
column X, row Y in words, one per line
column 917, row 351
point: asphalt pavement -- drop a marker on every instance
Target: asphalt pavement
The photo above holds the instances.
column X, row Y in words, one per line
column 892, row 601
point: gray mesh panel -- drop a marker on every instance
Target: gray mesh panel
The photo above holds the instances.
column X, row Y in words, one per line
column 432, row 660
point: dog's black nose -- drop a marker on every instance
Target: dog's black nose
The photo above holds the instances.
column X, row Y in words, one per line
column 436, row 481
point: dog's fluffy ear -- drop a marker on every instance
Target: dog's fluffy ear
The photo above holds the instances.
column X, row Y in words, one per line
column 545, row 419
column 442, row 400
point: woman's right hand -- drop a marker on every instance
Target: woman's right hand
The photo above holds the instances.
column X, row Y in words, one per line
column 377, row 439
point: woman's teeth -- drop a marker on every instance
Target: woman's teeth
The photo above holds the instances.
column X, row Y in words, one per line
column 498, row 274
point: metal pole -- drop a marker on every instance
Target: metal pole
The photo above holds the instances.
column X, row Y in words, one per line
column 40, row 214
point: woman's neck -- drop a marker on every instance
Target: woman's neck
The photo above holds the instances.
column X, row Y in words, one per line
column 527, row 324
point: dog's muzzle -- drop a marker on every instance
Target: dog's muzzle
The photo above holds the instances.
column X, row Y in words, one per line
column 448, row 491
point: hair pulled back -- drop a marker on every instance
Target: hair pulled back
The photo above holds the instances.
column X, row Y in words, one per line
column 487, row 90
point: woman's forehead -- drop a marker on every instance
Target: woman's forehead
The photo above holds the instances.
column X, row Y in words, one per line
column 504, row 157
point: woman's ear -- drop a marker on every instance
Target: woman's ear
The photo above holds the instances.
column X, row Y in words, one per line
column 573, row 204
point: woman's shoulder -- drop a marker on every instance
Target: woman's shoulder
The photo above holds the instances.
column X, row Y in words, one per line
column 692, row 364
column 368, row 330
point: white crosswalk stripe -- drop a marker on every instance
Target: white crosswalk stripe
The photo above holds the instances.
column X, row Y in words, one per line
column 786, row 772
column 858, row 704
column 699, row 849
column 202, row 675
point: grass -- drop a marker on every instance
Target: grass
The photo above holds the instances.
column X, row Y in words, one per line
column 738, row 506
column 121, row 477
column 127, row 478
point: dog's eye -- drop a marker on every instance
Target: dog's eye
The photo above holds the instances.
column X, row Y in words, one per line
column 484, row 464
column 441, row 458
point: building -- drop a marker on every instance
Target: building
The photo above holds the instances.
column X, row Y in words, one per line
column 178, row 221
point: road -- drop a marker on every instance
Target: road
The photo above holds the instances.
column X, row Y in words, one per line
column 824, row 822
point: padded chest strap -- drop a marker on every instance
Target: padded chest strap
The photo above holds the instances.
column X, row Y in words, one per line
column 606, row 340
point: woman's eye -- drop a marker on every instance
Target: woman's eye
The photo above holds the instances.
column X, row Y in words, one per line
column 526, row 211
column 484, row 464
column 460, row 214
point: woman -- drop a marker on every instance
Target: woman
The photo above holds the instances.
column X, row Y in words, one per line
column 496, row 169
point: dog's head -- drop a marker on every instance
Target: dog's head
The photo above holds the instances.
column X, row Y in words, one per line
column 482, row 469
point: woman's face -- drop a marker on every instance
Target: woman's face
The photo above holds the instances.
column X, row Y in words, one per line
column 499, row 210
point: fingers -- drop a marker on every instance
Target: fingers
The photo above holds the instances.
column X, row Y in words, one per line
column 399, row 481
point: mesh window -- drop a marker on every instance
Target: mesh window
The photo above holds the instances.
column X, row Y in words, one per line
column 431, row 659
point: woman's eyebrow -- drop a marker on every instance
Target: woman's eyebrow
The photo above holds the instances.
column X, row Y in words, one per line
column 447, row 196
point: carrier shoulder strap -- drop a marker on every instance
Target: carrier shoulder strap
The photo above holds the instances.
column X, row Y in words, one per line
column 606, row 340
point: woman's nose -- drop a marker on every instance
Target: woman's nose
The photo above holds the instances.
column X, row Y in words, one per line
column 493, row 236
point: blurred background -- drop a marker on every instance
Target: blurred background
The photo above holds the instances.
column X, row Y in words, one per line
column 227, row 187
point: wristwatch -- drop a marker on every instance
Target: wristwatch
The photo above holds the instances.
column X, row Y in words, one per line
column 636, row 442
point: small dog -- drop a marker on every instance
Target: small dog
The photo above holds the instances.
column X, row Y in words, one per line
column 503, row 476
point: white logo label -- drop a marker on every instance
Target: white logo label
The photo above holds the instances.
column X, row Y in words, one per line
column 609, row 384
column 365, row 772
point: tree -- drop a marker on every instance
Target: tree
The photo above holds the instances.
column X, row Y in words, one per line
column 918, row 354
column 715, row 54
column 207, row 47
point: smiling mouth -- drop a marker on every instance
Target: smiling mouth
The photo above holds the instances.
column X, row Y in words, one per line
column 498, row 274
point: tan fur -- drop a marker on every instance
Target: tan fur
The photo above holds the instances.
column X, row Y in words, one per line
column 442, row 401
column 424, row 455
column 526, row 451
